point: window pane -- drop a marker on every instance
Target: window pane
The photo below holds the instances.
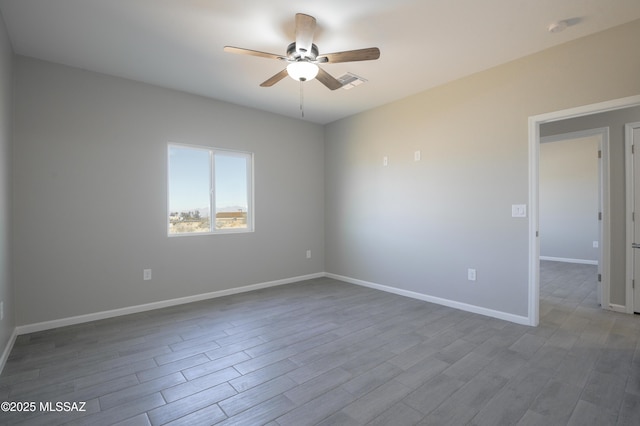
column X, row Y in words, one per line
column 189, row 190
column 231, row 190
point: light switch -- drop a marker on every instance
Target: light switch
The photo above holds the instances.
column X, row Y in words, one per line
column 518, row 210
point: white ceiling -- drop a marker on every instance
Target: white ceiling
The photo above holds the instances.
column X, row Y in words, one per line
column 178, row 43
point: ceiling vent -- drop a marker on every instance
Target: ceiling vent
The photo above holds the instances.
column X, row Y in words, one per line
column 350, row 80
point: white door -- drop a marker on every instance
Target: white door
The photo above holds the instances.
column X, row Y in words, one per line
column 633, row 147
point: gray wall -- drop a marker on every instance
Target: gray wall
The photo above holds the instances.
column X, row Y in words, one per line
column 569, row 199
column 90, row 182
column 418, row 226
column 615, row 120
column 6, row 135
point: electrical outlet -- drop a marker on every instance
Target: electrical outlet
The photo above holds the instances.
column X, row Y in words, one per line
column 146, row 274
column 385, row 161
column 471, row 274
column 308, row 254
column 596, row 244
column 416, row 156
column 518, row 210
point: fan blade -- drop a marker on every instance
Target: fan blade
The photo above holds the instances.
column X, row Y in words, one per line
column 305, row 27
column 276, row 78
column 241, row 51
column 328, row 80
column 368, row 54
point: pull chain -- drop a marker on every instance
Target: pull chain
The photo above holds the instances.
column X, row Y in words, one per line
column 301, row 99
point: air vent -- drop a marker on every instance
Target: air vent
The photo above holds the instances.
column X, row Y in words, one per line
column 350, row 80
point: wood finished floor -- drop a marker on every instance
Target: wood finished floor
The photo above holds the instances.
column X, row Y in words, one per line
column 330, row 353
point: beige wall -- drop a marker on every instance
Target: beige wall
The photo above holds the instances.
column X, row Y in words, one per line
column 418, row 226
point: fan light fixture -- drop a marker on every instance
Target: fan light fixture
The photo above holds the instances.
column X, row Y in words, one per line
column 303, row 57
column 302, row 70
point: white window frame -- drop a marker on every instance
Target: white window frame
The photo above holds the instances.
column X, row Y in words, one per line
column 212, row 196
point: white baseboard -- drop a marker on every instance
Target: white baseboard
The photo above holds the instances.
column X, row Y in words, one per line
column 618, row 308
column 79, row 319
column 569, row 260
column 7, row 349
column 437, row 300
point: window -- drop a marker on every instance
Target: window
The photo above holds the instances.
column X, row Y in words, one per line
column 204, row 180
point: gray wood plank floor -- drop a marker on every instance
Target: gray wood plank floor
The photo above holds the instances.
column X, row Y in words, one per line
column 329, row 353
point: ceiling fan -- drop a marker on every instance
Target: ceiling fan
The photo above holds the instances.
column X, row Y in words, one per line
column 303, row 56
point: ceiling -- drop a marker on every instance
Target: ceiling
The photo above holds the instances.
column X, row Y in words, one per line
column 178, row 43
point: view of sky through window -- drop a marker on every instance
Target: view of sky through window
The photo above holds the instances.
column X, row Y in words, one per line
column 231, row 182
column 192, row 172
column 189, row 179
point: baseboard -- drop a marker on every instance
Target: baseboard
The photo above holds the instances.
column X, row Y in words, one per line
column 79, row 319
column 618, row 308
column 437, row 300
column 569, row 260
column 7, row 349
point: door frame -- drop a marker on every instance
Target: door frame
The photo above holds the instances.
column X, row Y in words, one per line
column 534, row 169
column 604, row 224
column 630, row 184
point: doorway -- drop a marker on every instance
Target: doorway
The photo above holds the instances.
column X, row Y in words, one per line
column 632, row 180
column 534, row 227
column 572, row 182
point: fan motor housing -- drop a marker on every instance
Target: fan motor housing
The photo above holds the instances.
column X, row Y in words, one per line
column 294, row 55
